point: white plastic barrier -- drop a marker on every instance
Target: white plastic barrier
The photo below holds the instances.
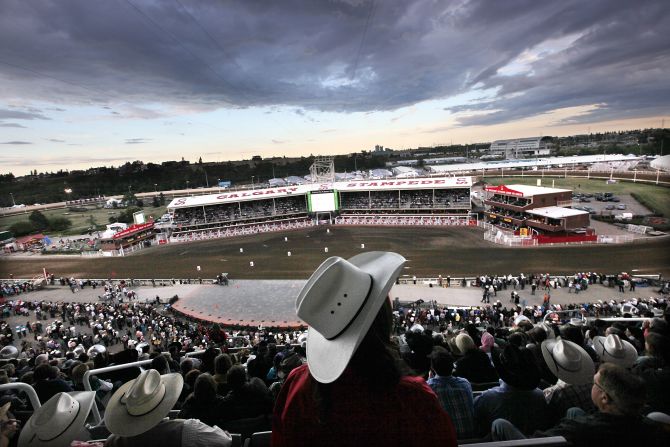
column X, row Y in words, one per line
column 87, row 384
column 29, row 390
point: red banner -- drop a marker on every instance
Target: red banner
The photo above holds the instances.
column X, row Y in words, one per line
column 132, row 230
column 502, row 189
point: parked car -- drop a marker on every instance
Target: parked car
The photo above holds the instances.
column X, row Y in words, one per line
column 610, row 207
column 589, row 210
column 615, row 199
column 585, row 200
column 621, row 206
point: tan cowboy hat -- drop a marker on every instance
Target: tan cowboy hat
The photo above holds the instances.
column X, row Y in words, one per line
column 612, row 349
column 568, row 361
column 59, row 421
column 140, row 404
column 465, row 343
column 339, row 303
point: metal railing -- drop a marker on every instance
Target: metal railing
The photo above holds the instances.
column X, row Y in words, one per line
column 29, row 390
column 89, row 373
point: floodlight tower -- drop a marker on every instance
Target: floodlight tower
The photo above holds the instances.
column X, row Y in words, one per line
column 323, row 169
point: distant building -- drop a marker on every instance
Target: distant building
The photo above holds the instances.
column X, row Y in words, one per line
column 520, row 147
column 533, row 208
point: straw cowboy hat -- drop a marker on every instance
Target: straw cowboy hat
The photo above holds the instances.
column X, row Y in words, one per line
column 613, row 349
column 59, row 421
column 568, row 361
column 140, row 404
column 465, row 343
column 9, row 352
column 339, row 303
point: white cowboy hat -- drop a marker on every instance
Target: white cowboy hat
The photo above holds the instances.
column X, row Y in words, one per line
column 568, row 361
column 9, row 352
column 58, row 421
column 339, row 303
column 140, row 404
column 613, row 349
column 521, row 318
column 95, row 350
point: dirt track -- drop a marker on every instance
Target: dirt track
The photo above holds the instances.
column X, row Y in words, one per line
column 455, row 251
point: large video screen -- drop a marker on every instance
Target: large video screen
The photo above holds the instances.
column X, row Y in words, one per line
column 322, row 201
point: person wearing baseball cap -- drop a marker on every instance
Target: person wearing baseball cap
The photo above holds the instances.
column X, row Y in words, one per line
column 353, row 389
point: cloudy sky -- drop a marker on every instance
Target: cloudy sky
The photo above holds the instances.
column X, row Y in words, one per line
column 100, row 82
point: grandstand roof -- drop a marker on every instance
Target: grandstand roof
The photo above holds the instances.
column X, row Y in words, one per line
column 530, row 163
column 662, row 163
column 555, row 212
column 351, row 185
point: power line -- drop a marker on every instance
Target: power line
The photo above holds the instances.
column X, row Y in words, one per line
column 180, row 43
column 360, row 46
column 38, row 73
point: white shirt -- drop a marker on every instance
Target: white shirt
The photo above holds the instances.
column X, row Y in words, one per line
column 198, row 434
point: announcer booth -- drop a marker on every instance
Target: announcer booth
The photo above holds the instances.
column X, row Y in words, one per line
column 134, row 237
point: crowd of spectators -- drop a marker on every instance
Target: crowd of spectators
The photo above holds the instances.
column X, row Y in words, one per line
column 495, row 368
column 240, row 230
column 232, row 212
column 409, row 199
column 395, row 219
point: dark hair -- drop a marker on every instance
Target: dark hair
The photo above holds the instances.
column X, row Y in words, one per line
column 160, row 364
column 237, row 377
column 626, row 390
column 43, row 372
column 572, row 333
column 538, row 334
column 186, row 365
column 191, row 377
column 376, row 361
column 442, row 361
column 222, row 363
column 659, row 346
column 204, row 388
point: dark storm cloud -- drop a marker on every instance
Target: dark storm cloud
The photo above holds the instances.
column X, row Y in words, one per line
column 16, row 143
column 317, row 55
column 12, row 125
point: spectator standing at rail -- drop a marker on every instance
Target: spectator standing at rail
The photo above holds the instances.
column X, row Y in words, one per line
column 353, row 390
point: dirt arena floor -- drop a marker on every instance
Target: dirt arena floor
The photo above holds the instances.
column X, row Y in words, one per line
column 455, row 251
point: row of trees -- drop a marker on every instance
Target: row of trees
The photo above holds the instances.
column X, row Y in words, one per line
column 38, row 222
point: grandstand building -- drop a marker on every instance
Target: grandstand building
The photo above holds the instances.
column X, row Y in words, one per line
column 533, row 210
column 129, row 239
column 521, row 147
column 427, row 201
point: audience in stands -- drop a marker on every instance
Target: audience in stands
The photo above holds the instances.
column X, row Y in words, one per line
column 588, row 380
